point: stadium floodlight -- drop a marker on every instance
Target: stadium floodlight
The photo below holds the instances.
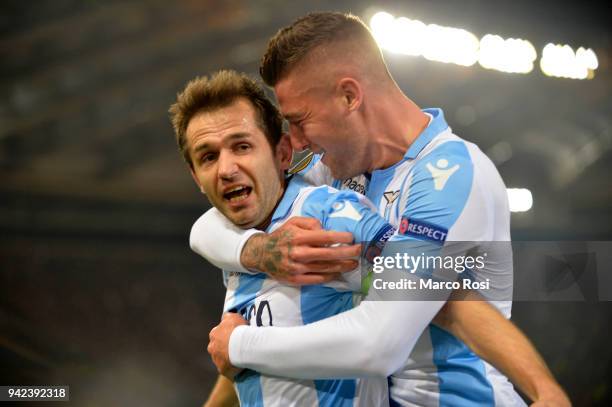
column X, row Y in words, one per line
column 561, row 61
column 519, row 199
column 458, row 46
column 512, row 55
column 450, row 45
column 434, row 42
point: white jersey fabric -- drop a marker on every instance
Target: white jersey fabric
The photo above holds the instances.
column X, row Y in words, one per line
column 265, row 302
column 443, row 184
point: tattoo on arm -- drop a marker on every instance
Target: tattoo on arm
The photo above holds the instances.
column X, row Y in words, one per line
column 265, row 253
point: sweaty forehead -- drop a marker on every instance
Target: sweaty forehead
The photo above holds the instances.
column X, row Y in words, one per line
column 216, row 122
column 221, row 123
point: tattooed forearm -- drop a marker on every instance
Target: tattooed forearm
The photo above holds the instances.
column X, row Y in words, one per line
column 265, row 252
column 252, row 252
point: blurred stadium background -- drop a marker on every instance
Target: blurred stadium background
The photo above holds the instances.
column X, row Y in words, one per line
column 98, row 288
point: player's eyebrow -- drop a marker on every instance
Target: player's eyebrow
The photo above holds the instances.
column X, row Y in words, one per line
column 239, row 136
column 234, row 137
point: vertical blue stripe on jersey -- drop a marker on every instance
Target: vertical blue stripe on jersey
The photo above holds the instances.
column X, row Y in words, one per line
column 248, row 287
column 461, row 374
column 441, row 207
column 248, row 384
column 319, row 302
column 294, row 184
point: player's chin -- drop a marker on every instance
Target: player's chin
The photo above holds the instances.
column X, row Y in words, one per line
column 338, row 173
column 244, row 220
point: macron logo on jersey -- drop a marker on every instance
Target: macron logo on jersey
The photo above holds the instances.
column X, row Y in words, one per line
column 355, row 185
column 391, row 196
column 422, row 230
column 441, row 173
column 344, row 209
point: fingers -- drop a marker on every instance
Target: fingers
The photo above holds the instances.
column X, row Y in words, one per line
column 322, row 238
column 302, row 254
column 323, row 267
column 304, row 223
column 301, row 247
column 313, row 234
column 215, row 346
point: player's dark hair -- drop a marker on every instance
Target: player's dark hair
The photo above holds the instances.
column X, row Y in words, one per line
column 223, row 88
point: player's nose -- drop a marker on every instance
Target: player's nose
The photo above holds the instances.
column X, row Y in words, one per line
column 228, row 167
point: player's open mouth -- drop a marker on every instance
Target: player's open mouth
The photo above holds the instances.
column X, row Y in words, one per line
column 237, row 194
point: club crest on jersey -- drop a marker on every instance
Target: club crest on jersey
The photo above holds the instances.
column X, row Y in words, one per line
column 441, row 173
column 344, row 209
column 302, row 164
column 422, row 230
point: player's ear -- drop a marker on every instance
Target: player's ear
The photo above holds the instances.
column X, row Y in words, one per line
column 195, row 179
column 284, row 152
column 351, row 92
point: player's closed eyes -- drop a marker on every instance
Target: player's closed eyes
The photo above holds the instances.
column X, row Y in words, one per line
column 208, row 158
column 243, row 147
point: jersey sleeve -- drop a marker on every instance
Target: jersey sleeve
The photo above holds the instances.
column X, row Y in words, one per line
column 433, row 201
column 439, row 189
column 347, row 211
column 373, row 339
column 219, row 241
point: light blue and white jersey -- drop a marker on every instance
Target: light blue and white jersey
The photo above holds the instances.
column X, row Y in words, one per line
column 266, row 302
column 444, row 189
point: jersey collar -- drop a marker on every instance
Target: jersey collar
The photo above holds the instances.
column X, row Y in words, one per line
column 436, row 125
column 294, row 184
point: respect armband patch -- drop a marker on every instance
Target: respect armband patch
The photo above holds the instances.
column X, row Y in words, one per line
column 376, row 246
column 422, row 230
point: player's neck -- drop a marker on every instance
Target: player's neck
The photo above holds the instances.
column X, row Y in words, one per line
column 397, row 122
column 264, row 225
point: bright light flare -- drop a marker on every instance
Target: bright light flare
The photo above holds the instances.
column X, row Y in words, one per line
column 457, row 46
column 434, row 42
column 519, row 199
column 561, row 61
column 450, row 45
column 512, row 55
